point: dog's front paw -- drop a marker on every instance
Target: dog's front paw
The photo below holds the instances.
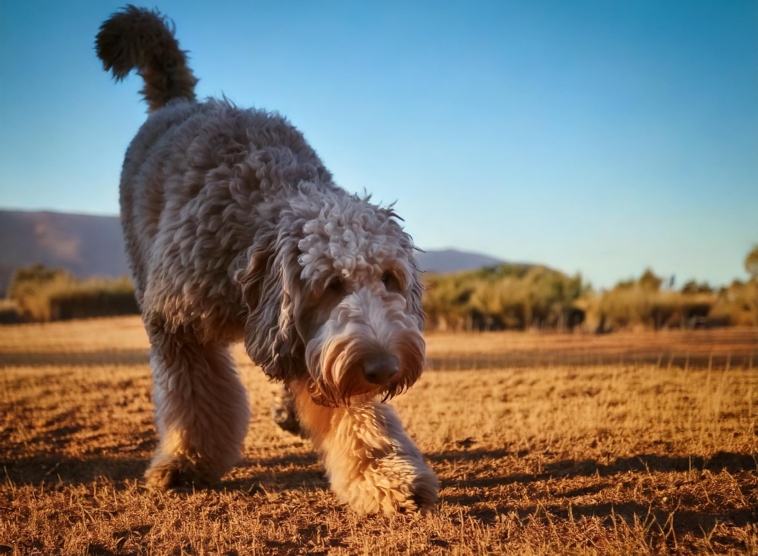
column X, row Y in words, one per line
column 390, row 484
column 404, row 485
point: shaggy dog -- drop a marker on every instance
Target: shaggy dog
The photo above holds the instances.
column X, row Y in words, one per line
column 236, row 230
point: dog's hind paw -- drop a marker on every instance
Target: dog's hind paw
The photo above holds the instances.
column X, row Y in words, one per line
column 179, row 475
column 283, row 411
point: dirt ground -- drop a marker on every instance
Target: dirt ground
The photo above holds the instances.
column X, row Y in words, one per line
column 543, row 443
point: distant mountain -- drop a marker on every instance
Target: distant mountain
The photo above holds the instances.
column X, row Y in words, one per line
column 88, row 245
column 85, row 245
column 450, row 260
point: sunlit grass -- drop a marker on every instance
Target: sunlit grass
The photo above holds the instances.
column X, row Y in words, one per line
column 609, row 457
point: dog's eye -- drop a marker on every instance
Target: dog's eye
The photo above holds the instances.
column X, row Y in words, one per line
column 390, row 282
column 335, row 285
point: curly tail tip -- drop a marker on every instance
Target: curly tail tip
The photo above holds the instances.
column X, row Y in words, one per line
column 139, row 38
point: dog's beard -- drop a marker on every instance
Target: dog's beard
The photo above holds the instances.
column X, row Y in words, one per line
column 336, row 360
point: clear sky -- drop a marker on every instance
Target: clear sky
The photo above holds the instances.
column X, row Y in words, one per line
column 593, row 136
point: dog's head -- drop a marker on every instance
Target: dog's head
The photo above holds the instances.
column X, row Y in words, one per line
column 335, row 291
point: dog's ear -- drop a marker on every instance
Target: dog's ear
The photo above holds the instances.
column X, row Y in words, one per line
column 270, row 287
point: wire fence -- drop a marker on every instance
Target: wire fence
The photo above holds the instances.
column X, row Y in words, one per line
column 663, row 360
column 447, row 362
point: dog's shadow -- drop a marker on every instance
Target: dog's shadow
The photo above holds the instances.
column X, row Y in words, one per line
column 252, row 475
column 296, row 468
column 117, row 357
column 54, row 470
column 281, row 473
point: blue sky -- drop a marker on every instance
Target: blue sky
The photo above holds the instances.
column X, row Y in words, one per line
column 599, row 137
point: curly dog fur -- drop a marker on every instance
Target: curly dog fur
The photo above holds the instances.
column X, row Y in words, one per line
column 235, row 230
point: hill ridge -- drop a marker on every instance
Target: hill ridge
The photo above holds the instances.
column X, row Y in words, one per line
column 88, row 245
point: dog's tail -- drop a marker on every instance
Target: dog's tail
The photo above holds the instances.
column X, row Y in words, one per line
column 143, row 39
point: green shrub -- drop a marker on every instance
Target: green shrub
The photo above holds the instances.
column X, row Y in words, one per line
column 502, row 297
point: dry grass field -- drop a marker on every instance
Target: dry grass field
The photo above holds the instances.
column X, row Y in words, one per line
column 544, row 444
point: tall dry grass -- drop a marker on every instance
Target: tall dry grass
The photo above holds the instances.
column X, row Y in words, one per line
column 634, row 307
column 641, row 303
column 738, row 303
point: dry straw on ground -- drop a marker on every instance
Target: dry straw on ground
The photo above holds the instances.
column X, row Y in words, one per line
column 614, row 454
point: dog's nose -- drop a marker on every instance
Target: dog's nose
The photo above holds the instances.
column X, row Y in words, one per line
column 380, row 370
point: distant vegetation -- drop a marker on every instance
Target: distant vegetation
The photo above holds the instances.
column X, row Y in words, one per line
column 40, row 294
column 643, row 304
column 505, row 296
column 502, row 297
column 521, row 297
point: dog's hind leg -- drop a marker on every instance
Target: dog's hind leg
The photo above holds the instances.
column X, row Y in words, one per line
column 371, row 462
column 201, row 411
column 283, row 411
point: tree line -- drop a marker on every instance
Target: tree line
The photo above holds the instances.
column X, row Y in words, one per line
column 503, row 297
column 521, row 297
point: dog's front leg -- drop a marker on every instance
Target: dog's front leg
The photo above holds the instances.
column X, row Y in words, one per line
column 201, row 411
column 371, row 463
